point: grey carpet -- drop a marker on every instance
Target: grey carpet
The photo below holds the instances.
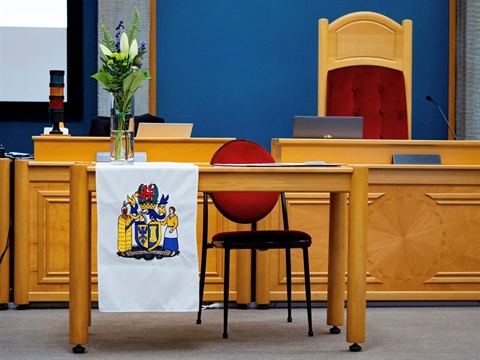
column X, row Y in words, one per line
column 392, row 333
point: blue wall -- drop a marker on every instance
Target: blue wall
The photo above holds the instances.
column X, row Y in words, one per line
column 244, row 68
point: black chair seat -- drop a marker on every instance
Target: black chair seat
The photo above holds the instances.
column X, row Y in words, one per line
column 262, row 239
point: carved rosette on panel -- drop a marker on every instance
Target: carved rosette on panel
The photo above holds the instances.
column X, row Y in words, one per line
column 406, row 240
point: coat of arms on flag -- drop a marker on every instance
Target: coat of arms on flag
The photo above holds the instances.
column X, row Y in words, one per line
column 147, row 228
column 147, row 211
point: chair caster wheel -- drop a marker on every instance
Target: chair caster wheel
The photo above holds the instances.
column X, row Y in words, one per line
column 79, row 349
column 355, row 347
column 335, row 330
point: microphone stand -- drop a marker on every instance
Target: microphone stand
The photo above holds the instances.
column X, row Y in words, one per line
column 429, row 98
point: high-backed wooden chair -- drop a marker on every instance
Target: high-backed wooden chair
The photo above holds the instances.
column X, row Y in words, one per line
column 365, row 69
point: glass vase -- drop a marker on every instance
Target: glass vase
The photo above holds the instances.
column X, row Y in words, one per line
column 121, row 135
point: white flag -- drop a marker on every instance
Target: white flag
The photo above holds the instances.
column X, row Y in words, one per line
column 147, row 249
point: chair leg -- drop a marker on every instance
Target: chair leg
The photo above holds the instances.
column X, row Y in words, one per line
column 289, row 283
column 226, row 288
column 205, row 247
column 203, row 268
column 308, row 294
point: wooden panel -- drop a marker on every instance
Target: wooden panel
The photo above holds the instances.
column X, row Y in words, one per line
column 420, row 247
column 53, row 252
column 452, row 66
column 366, row 38
column 302, row 208
column 412, row 238
column 152, row 49
column 372, row 40
column 214, row 273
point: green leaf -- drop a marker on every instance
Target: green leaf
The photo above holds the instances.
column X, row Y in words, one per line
column 133, row 26
column 104, row 77
column 133, row 81
column 107, row 38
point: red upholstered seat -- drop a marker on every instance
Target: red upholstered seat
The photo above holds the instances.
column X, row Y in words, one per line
column 374, row 92
column 249, row 208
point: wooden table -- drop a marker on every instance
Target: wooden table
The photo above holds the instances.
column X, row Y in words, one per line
column 340, row 182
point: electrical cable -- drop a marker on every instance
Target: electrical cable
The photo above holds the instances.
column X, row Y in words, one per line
column 7, row 244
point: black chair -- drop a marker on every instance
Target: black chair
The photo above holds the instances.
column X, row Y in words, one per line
column 249, row 208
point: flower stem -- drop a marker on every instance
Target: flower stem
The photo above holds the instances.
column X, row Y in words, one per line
column 118, row 136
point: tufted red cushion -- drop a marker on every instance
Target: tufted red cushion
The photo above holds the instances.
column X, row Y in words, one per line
column 243, row 207
column 374, row 92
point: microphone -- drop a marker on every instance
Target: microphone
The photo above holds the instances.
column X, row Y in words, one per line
column 429, row 98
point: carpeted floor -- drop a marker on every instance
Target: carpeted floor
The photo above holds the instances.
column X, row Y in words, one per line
column 451, row 332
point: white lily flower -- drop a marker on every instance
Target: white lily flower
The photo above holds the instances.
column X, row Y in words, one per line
column 124, row 44
column 105, row 50
column 133, row 49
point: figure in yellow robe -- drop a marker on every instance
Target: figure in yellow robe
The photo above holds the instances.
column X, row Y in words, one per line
column 170, row 238
column 124, row 231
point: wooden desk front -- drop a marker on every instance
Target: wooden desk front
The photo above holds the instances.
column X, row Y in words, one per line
column 4, row 230
column 424, row 220
column 338, row 181
column 373, row 151
column 42, row 206
column 85, row 148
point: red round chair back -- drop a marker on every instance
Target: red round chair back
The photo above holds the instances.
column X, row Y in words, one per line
column 243, row 207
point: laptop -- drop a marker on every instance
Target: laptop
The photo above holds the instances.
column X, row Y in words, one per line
column 156, row 130
column 328, row 127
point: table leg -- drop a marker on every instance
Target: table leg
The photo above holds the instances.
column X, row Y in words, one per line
column 262, row 285
column 21, row 253
column 336, row 264
column 244, row 276
column 79, row 309
column 357, row 258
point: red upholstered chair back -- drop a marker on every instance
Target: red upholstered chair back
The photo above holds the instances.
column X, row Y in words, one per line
column 374, row 92
column 243, row 207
